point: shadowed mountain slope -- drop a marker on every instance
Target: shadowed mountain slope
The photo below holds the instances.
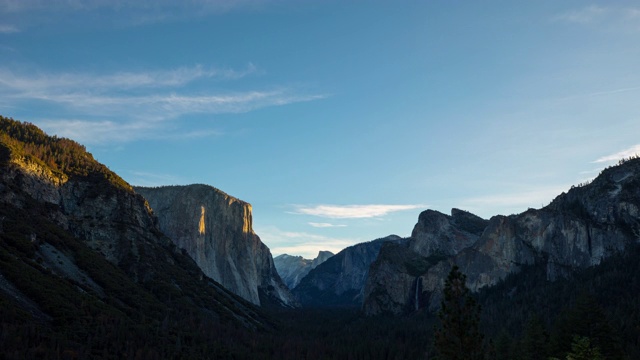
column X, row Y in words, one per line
column 84, row 268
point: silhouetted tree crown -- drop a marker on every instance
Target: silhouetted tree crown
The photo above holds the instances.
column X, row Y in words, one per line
column 458, row 337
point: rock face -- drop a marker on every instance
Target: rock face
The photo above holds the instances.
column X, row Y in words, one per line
column 394, row 283
column 216, row 231
column 339, row 281
column 57, row 183
column 293, row 268
column 437, row 233
column 578, row 229
column 109, row 219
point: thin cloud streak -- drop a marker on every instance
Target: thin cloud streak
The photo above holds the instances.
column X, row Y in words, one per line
column 130, row 13
column 353, row 211
column 601, row 93
column 172, row 105
column 8, row 29
column 75, row 5
column 101, row 131
column 632, row 151
column 610, row 17
column 106, row 131
column 325, row 225
column 119, row 80
column 585, row 15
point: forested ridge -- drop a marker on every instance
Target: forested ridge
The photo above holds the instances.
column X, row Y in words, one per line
column 61, row 155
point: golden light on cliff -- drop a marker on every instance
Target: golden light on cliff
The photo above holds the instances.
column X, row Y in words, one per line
column 201, row 225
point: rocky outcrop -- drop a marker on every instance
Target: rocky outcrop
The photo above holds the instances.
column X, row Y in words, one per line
column 216, row 231
column 293, row 268
column 437, row 233
column 577, row 230
column 395, row 284
column 339, row 281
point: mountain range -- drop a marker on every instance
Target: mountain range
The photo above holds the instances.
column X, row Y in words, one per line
column 93, row 267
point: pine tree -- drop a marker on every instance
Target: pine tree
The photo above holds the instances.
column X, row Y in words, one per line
column 458, row 337
column 586, row 319
column 581, row 349
column 502, row 346
column 535, row 340
column 589, row 320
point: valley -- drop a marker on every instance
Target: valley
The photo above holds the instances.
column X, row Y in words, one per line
column 91, row 267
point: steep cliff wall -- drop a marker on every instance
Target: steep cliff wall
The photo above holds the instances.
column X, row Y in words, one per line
column 395, row 284
column 216, row 231
column 578, row 229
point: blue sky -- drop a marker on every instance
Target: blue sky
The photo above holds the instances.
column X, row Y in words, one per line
column 339, row 121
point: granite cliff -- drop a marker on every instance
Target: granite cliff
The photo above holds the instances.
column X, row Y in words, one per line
column 293, row 268
column 577, row 230
column 339, row 280
column 216, row 231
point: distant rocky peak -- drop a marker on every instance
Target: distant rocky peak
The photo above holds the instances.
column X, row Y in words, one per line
column 322, row 257
column 437, row 233
column 293, row 268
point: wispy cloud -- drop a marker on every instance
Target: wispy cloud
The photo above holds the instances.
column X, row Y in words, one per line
column 170, row 105
column 100, row 131
column 353, row 211
column 601, row 93
column 304, row 244
column 613, row 16
column 131, row 13
column 584, row 15
column 134, row 105
column 119, row 80
column 8, row 29
column 325, row 225
column 76, row 5
column 634, row 150
column 107, row 131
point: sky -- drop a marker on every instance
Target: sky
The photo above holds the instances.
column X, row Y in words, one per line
column 339, row 121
